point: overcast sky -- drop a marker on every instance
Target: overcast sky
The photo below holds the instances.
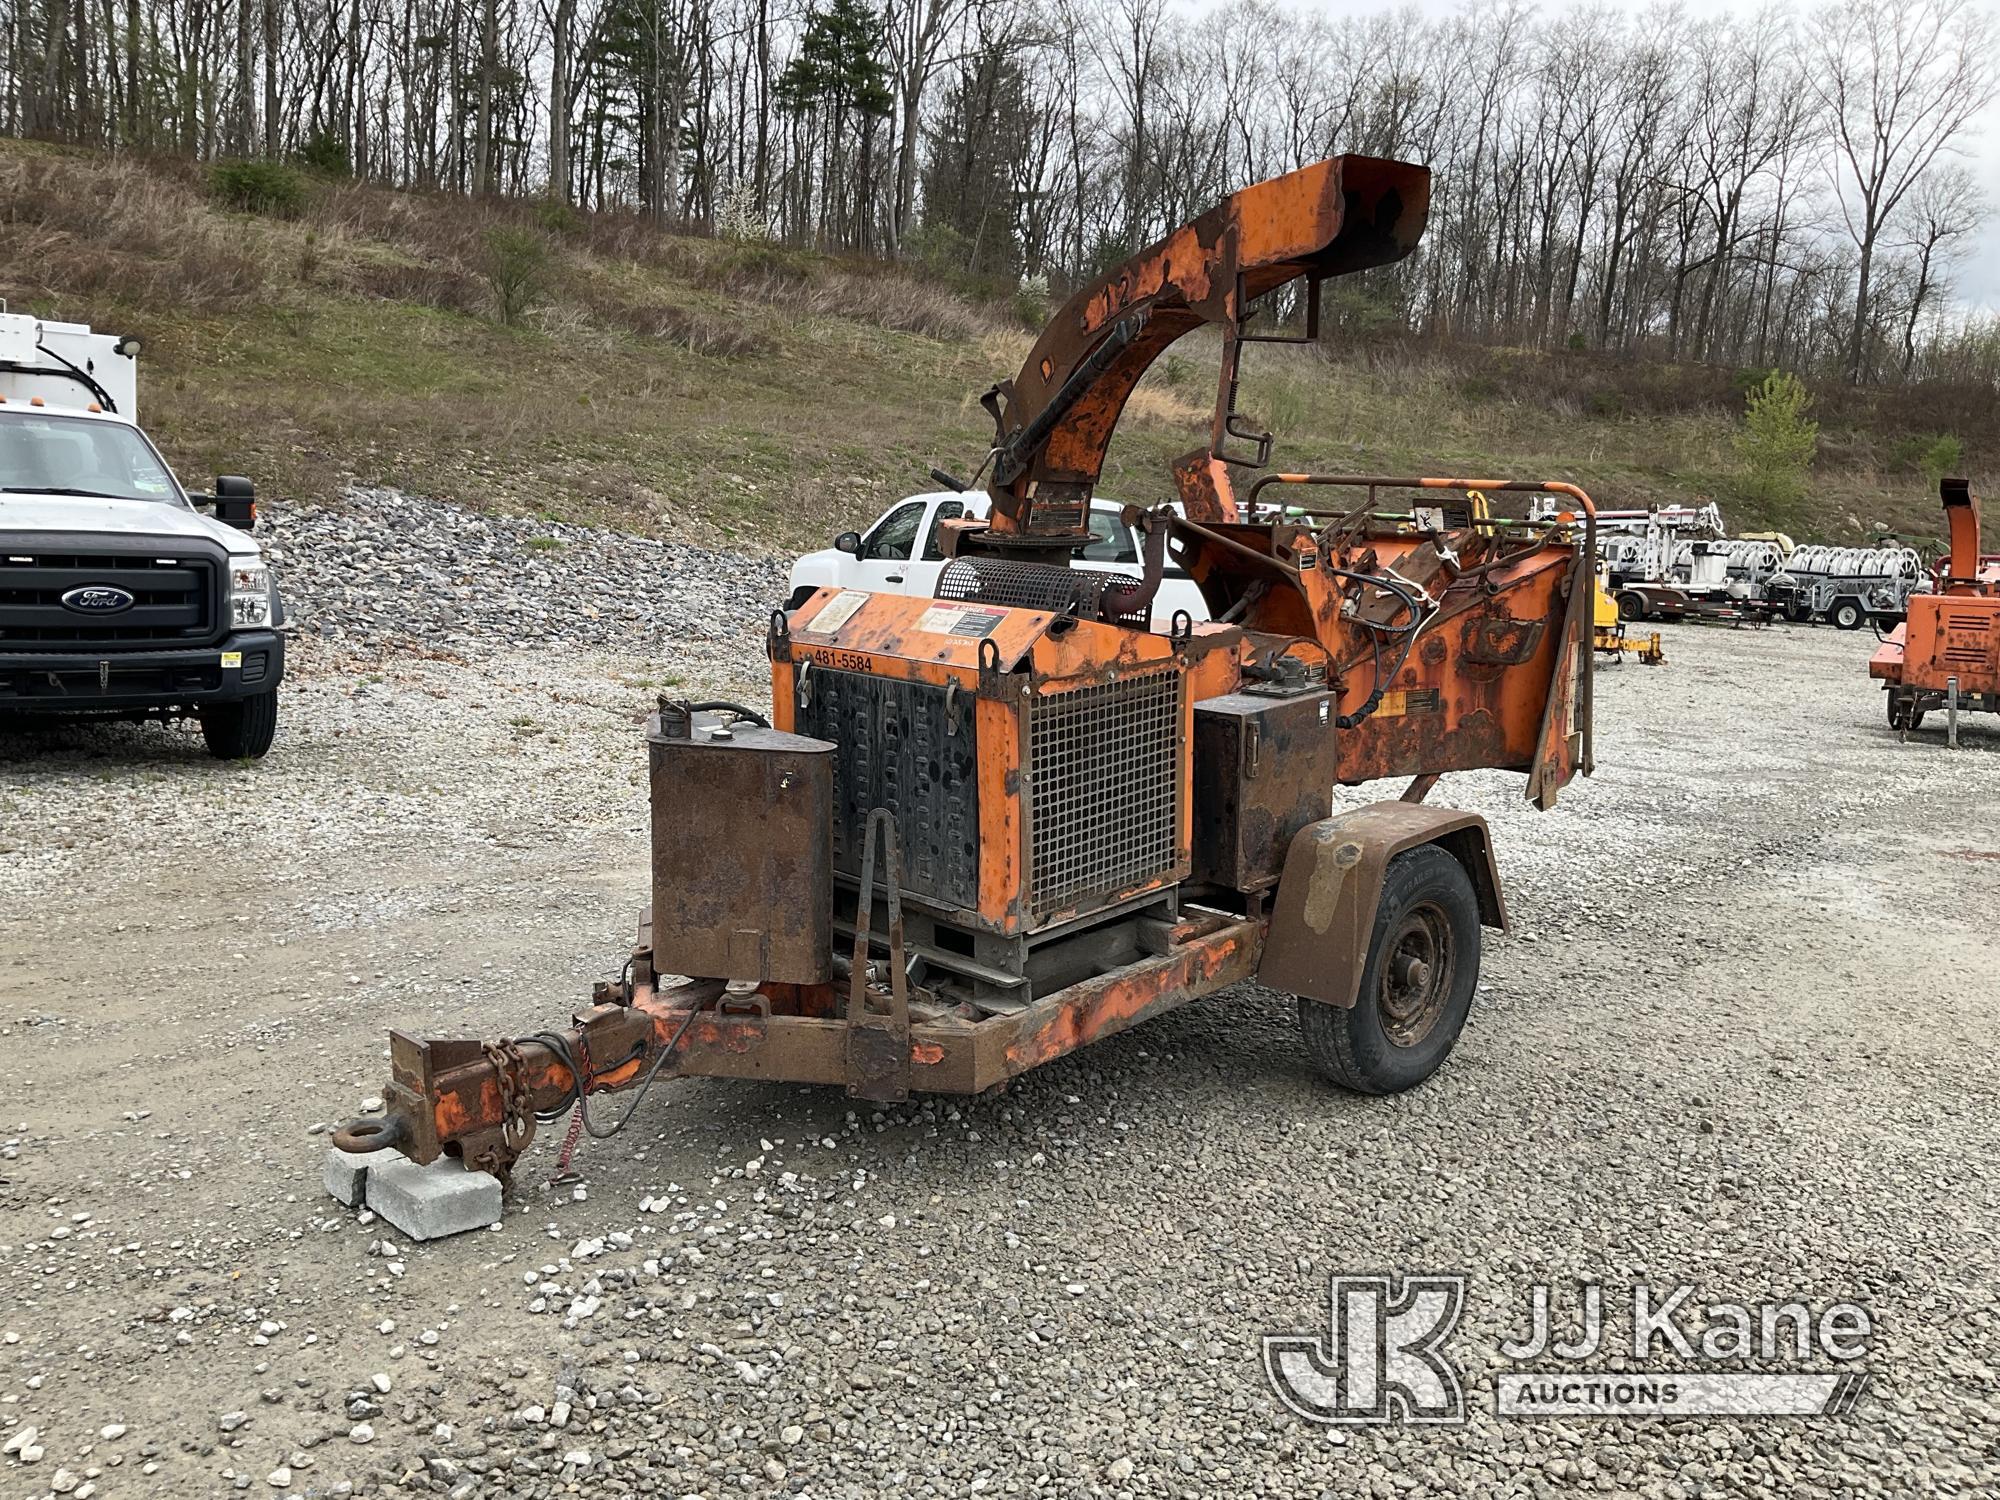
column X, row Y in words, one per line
column 1978, row 274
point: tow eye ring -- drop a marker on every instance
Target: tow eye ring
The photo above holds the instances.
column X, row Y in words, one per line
column 369, row 1134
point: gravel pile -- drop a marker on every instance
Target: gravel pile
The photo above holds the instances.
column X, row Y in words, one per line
column 388, row 568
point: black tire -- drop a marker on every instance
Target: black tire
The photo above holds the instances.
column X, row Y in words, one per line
column 1903, row 710
column 1402, row 1028
column 1846, row 615
column 1798, row 614
column 1632, row 605
column 240, row 730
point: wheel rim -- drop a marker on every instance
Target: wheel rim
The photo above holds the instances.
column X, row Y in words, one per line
column 1418, row 965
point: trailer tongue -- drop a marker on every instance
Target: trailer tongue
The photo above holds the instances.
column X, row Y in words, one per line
column 977, row 832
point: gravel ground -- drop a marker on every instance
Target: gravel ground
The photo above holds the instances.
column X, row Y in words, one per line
column 1738, row 1037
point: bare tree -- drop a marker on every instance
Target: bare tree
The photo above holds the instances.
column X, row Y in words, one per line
column 1127, row 39
column 1944, row 211
column 489, row 62
column 1899, row 81
column 919, row 32
column 1761, row 187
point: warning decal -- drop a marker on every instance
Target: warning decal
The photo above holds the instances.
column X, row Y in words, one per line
column 837, row 611
column 968, row 622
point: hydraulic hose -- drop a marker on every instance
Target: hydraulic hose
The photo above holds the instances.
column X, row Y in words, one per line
column 723, row 705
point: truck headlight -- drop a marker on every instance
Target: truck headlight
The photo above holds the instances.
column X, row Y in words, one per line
column 249, row 593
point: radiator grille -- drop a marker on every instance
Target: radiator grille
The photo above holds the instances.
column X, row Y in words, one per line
column 896, row 751
column 1105, row 767
column 173, row 601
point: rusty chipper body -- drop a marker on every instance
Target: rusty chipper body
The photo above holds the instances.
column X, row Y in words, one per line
column 975, row 832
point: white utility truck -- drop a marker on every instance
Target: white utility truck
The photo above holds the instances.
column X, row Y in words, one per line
column 902, row 552
column 119, row 598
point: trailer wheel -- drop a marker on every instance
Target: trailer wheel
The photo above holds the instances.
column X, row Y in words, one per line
column 1416, row 987
column 1798, row 614
column 1632, row 605
column 1903, row 710
column 1847, row 615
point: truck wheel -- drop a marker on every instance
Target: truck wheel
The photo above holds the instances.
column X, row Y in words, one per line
column 241, row 730
column 1631, row 605
column 1416, row 988
column 1847, row 615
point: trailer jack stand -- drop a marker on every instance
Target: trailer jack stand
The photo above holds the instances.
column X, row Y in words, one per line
column 878, row 1042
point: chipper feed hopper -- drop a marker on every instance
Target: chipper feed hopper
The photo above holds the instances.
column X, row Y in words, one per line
column 1946, row 653
column 978, row 831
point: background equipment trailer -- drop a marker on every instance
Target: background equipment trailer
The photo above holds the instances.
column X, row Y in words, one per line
column 978, row 831
column 1946, row 653
column 1846, row 586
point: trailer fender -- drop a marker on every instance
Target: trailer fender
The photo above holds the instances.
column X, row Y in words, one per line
column 1324, row 915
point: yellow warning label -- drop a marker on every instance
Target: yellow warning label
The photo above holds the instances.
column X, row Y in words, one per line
column 1400, row 701
column 232, row 658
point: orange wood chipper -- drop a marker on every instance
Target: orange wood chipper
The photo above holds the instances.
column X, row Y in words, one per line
column 1946, row 653
column 978, row 831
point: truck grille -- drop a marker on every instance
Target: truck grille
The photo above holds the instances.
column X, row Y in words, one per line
column 174, row 601
column 1105, row 768
column 896, row 750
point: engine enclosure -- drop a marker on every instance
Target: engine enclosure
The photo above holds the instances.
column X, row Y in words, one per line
column 1036, row 766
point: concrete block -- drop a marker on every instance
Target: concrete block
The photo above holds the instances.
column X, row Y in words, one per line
column 428, row 1203
column 346, row 1174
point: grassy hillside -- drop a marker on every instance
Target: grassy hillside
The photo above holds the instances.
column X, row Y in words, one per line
column 716, row 392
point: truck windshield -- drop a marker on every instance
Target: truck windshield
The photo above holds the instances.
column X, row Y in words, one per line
column 45, row 453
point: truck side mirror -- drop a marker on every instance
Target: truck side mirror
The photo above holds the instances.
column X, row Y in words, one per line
column 235, row 502
column 848, row 542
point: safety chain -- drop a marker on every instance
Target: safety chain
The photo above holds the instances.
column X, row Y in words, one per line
column 587, row 1071
column 517, row 1118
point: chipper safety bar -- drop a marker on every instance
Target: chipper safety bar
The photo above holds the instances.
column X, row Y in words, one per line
column 978, row 831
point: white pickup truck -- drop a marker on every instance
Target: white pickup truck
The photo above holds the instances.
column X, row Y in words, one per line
column 118, row 597
column 902, row 553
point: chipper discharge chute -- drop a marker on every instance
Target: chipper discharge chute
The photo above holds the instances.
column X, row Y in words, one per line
column 979, row 831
